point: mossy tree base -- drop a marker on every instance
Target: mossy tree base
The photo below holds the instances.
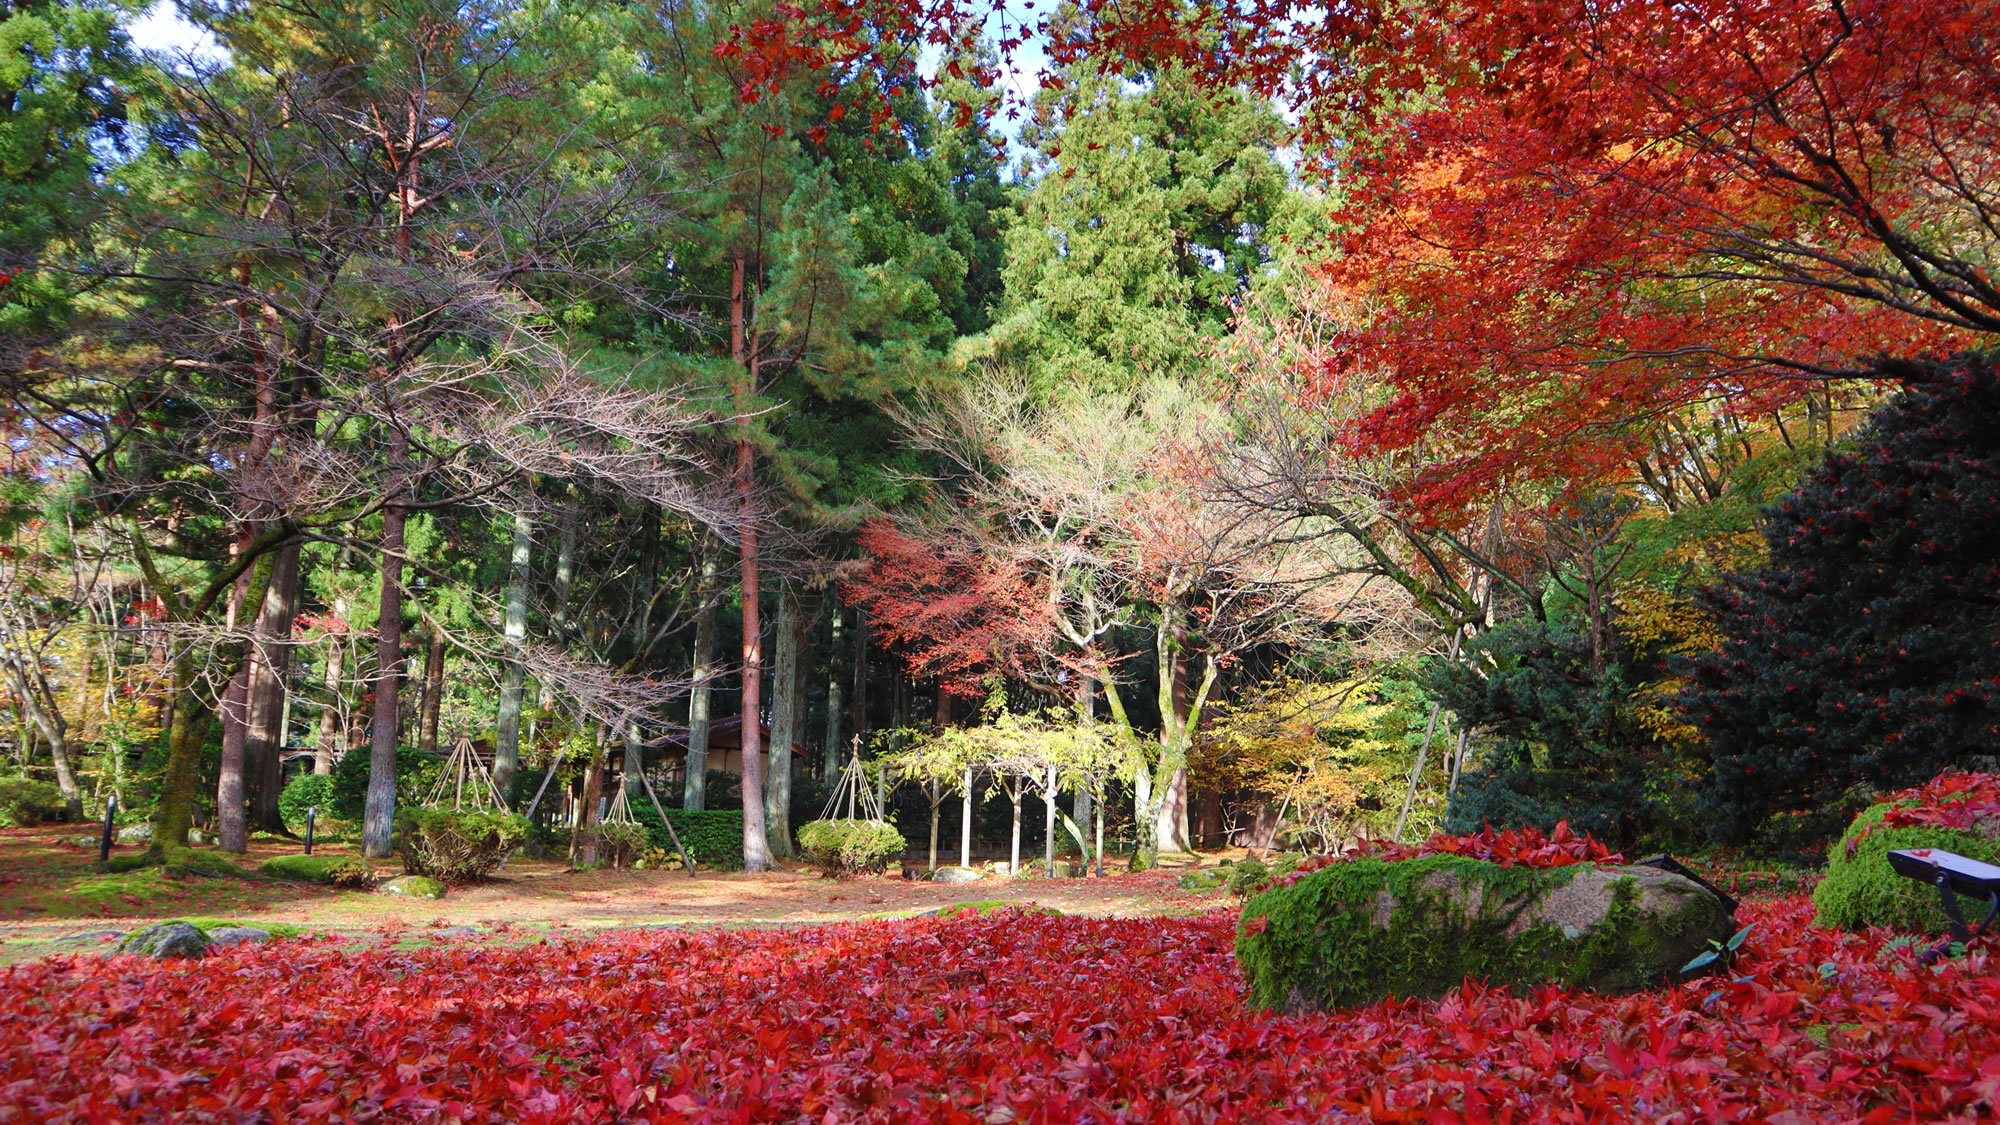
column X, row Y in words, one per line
column 1359, row 931
column 177, row 861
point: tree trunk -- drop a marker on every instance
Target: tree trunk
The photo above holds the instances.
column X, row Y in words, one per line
column 231, row 814
column 965, row 825
column 427, row 722
column 786, row 724
column 380, row 818
column 270, row 668
column 39, row 705
column 756, row 853
column 1170, row 829
column 1049, row 823
column 937, row 814
column 507, row 748
column 694, row 792
column 830, row 749
column 1014, row 852
column 860, row 701
column 583, row 836
column 173, row 816
column 332, row 717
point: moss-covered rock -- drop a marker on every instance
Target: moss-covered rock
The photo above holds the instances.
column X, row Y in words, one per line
column 414, row 886
column 1860, row 890
column 344, row 870
column 1358, row 931
column 168, row 939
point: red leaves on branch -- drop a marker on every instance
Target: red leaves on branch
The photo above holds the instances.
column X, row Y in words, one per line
column 956, row 609
column 1009, row 1017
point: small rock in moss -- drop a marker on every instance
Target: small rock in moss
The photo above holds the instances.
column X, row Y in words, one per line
column 168, row 939
column 415, row 886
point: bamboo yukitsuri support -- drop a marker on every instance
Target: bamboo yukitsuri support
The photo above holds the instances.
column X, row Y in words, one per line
column 853, row 788
column 463, row 768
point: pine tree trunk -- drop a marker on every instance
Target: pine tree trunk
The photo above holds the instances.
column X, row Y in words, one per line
column 231, row 814
column 694, row 791
column 269, row 672
column 507, row 751
column 830, row 749
column 173, row 816
column 583, row 837
column 332, row 723
column 379, row 820
column 433, row 702
column 785, row 725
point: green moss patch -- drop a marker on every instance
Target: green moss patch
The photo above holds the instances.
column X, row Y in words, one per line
column 1860, row 889
column 1358, row 931
column 344, row 870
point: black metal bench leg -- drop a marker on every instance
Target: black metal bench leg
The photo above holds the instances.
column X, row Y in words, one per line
column 1960, row 932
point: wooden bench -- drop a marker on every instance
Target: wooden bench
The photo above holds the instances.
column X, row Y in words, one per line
column 1953, row 875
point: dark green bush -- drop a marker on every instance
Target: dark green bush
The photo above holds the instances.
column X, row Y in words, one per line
column 25, row 802
column 308, row 790
column 457, row 847
column 844, row 847
column 1863, row 653
column 416, row 776
column 342, row 871
column 714, row 837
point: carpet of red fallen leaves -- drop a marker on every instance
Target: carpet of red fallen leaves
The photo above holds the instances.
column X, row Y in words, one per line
column 1008, row 1017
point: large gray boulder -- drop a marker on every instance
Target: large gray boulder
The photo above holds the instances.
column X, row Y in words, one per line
column 222, row 937
column 168, row 939
column 140, row 833
column 1360, row 930
column 956, row 875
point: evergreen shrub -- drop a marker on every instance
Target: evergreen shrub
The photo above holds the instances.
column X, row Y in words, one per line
column 308, row 790
column 1863, row 654
column 456, row 847
column 844, row 847
column 416, row 775
column 25, row 802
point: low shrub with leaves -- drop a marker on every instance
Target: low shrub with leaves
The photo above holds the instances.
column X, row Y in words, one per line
column 845, row 847
column 1011, row 1016
column 308, row 790
column 621, row 844
column 25, row 802
column 456, row 847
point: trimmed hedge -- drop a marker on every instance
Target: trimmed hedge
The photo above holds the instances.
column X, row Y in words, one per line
column 457, row 847
column 25, row 802
column 845, row 847
column 1860, row 890
column 714, row 837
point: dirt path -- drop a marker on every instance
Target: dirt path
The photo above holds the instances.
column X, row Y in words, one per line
column 51, row 896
